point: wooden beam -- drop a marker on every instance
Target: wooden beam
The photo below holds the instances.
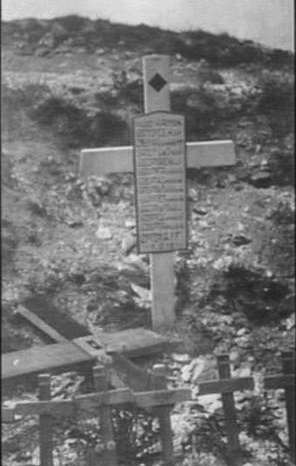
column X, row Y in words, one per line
column 41, row 325
column 226, row 385
column 162, row 397
column 108, row 455
column 274, row 382
column 233, row 447
column 288, row 365
column 45, row 424
column 162, row 276
column 92, row 401
column 133, row 343
column 104, row 160
column 164, row 416
column 41, row 358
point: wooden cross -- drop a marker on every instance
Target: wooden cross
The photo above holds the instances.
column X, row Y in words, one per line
column 159, row 398
column 286, row 381
column 227, row 386
column 120, row 159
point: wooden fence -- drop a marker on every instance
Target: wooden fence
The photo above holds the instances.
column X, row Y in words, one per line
column 159, row 399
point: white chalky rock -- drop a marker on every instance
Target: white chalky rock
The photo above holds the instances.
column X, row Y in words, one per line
column 103, row 233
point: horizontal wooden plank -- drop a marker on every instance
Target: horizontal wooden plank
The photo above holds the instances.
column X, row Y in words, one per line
column 225, row 385
column 210, row 154
column 273, row 382
column 42, row 358
column 133, row 343
column 56, row 408
column 106, row 160
column 93, row 401
column 162, row 397
column 62, row 321
column 131, row 374
column 41, row 325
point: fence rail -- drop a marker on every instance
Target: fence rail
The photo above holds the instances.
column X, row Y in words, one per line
column 159, row 399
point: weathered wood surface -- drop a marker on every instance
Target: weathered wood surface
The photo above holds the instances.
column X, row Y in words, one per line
column 42, row 358
column 92, row 401
column 103, row 161
column 132, row 343
column 40, row 324
column 288, row 365
column 231, row 427
column 108, row 455
column 162, row 265
column 226, row 386
column 44, row 308
column 164, row 416
column 274, row 382
column 45, row 424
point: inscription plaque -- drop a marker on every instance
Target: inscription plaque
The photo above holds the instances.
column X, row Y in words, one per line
column 160, row 180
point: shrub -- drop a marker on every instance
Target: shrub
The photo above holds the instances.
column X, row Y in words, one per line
column 72, row 23
column 200, row 108
column 277, row 102
column 76, row 126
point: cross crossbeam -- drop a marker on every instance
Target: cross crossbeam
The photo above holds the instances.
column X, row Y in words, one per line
column 92, row 401
column 103, row 161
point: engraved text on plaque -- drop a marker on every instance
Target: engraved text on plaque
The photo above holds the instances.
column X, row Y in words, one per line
column 160, row 174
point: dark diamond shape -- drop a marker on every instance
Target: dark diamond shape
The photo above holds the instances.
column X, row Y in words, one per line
column 157, row 82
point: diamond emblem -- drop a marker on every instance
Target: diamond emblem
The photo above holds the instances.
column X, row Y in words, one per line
column 157, row 82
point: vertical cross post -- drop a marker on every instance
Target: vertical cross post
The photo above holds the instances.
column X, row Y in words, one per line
column 161, row 264
column 229, row 412
column 108, row 455
column 288, row 364
column 45, row 423
column 163, row 414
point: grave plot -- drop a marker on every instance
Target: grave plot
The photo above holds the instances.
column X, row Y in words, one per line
column 158, row 398
column 154, row 209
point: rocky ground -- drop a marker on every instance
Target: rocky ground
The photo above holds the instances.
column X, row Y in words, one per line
column 73, row 243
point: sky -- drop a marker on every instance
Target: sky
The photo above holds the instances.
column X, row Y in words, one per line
column 267, row 21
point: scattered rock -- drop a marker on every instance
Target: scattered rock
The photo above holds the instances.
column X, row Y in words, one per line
column 144, row 295
column 130, row 223
column 242, row 331
column 199, row 211
column 241, row 240
column 103, row 186
column 128, row 244
column 203, row 224
column 192, row 195
column 261, row 180
column 74, row 223
column 181, row 357
column 104, row 233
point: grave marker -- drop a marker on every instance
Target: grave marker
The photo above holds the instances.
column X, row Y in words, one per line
column 126, row 159
column 160, row 181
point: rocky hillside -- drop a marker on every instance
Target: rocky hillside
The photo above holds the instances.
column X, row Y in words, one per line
column 60, row 35
column 71, row 83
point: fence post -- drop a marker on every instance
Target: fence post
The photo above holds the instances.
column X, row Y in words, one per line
column 288, row 363
column 45, row 423
column 108, row 455
column 231, row 428
column 164, row 415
